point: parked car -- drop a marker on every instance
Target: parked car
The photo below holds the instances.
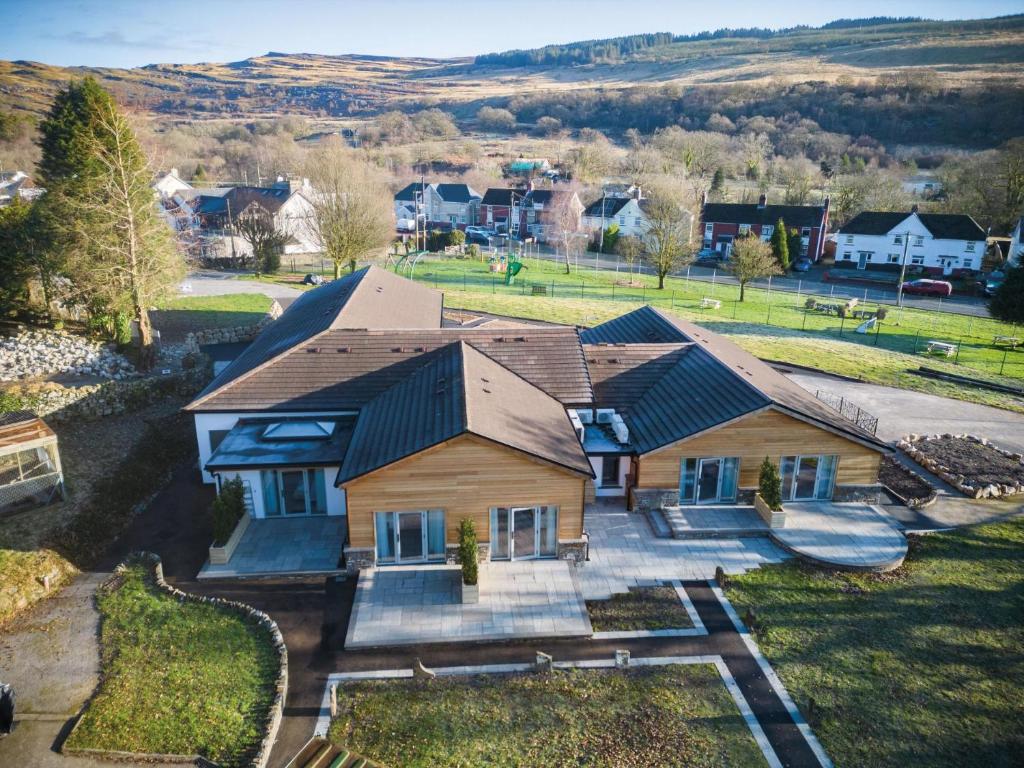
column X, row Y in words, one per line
column 481, row 231
column 926, row 287
column 709, row 257
column 312, row 279
column 992, row 282
column 802, row 265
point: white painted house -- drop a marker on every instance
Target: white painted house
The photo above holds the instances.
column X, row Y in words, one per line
column 445, row 205
column 1015, row 256
column 627, row 212
column 167, row 185
column 938, row 244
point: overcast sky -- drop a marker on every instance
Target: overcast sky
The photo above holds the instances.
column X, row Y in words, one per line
column 128, row 33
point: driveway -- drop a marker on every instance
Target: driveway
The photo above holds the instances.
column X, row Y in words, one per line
column 209, row 283
column 901, row 411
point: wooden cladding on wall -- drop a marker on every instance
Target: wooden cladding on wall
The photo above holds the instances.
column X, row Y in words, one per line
column 768, row 433
column 465, row 477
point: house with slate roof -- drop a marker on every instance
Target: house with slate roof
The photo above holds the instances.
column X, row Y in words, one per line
column 937, row 244
column 358, row 403
column 627, row 212
column 448, row 206
column 724, row 222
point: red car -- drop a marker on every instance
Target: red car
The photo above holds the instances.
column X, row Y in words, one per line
column 924, row 287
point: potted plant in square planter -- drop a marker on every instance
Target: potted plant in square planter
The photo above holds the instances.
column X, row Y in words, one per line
column 229, row 520
column 468, row 561
column 768, row 499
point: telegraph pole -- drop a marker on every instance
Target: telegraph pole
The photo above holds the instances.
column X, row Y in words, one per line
column 903, row 270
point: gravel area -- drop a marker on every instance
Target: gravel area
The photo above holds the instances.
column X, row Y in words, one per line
column 34, row 353
column 981, row 464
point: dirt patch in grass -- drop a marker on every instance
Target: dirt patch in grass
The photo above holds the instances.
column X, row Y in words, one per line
column 908, row 485
column 640, row 608
column 671, row 715
column 980, row 464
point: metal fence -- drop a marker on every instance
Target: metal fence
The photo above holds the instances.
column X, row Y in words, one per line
column 848, row 410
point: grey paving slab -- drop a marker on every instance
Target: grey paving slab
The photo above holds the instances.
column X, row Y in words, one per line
column 851, row 535
column 278, row 546
column 405, row 605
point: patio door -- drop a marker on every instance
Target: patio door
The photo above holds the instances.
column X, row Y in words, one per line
column 524, row 533
column 807, row 478
column 708, row 481
column 291, row 492
column 410, row 537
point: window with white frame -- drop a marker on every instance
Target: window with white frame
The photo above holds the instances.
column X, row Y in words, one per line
column 918, row 241
column 897, row 240
column 805, row 232
column 849, row 239
column 917, row 260
column 847, row 255
column 766, row 231
column 968, row 263
column 744, row 229
column 894, row 258
column 969, row 246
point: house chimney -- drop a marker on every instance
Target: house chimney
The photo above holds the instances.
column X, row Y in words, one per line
column 638, row 193
column 762, row 201
column 529, row 186
column 914, row 208
column 174, row 171
column 703, row 199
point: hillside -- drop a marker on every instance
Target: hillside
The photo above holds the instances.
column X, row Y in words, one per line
column 957, row 52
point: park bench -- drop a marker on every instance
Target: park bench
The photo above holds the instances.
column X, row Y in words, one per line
column 539, row 290
column 941, row 348
column 708, row 303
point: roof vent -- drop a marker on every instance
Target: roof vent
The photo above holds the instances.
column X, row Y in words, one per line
column 312, row 350
column 420, row 349
column 613, row 360
column 344, row 350
column 398, row 349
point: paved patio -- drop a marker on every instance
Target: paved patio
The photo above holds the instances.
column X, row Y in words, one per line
column 284, row 546
column 624, row 553
column 846, row 535
column 405, row 605
column 717, row 521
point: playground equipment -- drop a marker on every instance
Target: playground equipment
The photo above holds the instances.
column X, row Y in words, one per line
column 513, row 268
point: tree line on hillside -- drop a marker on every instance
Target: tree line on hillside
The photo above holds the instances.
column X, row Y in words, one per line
column 616, row 48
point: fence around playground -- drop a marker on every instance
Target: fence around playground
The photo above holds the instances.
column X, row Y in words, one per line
column 976, row 343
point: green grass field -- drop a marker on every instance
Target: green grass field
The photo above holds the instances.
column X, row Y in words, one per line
column 922, row 666
column 178, row 678
column 671, row 715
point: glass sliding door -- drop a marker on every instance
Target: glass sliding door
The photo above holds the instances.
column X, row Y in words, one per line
column 708, row 481
column 410, row 537
column 806, row 478
column 293, row 492
column 524, row 532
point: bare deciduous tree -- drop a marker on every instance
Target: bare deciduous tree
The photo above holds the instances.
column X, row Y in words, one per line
column 631, row 249
column 667, row 239
column 752, row 258
column 350, row 212
column 564, row 225
column 256, row 225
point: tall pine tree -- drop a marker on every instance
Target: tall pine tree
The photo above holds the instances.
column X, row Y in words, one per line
column 100, row 211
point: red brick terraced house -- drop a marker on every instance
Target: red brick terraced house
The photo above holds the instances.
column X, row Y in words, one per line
column 724, row 222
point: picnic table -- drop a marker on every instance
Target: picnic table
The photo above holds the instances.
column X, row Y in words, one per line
column 1010, row 341
column 709, row 303
column 941, row 347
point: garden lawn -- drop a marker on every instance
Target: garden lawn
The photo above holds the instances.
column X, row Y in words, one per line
column 179, row 316
column 921, row 666
column 640, row 608
column 650, row 716
column 178, row 678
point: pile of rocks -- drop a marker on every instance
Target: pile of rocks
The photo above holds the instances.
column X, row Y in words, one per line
column 34, row 353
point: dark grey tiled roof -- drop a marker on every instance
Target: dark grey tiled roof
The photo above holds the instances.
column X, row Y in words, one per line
column 751, row 213
column 622, row 373
column 341, row 370
column 612, row 206
column 645, row 325
column 369, row 298
column 409, row 191
column 711, row 382
column 457, row 193
column 501, row 196
column 458, row 391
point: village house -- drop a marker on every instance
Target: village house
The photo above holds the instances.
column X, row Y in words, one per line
column 545, row 213
column 724, row 222
column 1016, row 250
column 939, row 244
column 447, row 206
column 17, row 185
column 626, row 211
column 500, row 207
column 359, row 406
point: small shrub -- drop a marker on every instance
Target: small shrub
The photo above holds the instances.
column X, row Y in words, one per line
column 271, row 261
column 227, row 509
column 122, row 329
column 11, row 402
column 457, row 237
column 467, row 551
column 844, row 310
column 811, row 304
column 881, row 313
column 769, row 484
column 473, row 251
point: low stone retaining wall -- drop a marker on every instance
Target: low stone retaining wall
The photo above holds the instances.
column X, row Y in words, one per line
column 233, row 335
column 262, row 757
column 966, row 485
column 110, row 398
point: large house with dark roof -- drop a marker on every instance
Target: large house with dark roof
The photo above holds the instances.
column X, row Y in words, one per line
column 724, row 222
column 946, row 244
column 448, row 206
column 359, row 402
